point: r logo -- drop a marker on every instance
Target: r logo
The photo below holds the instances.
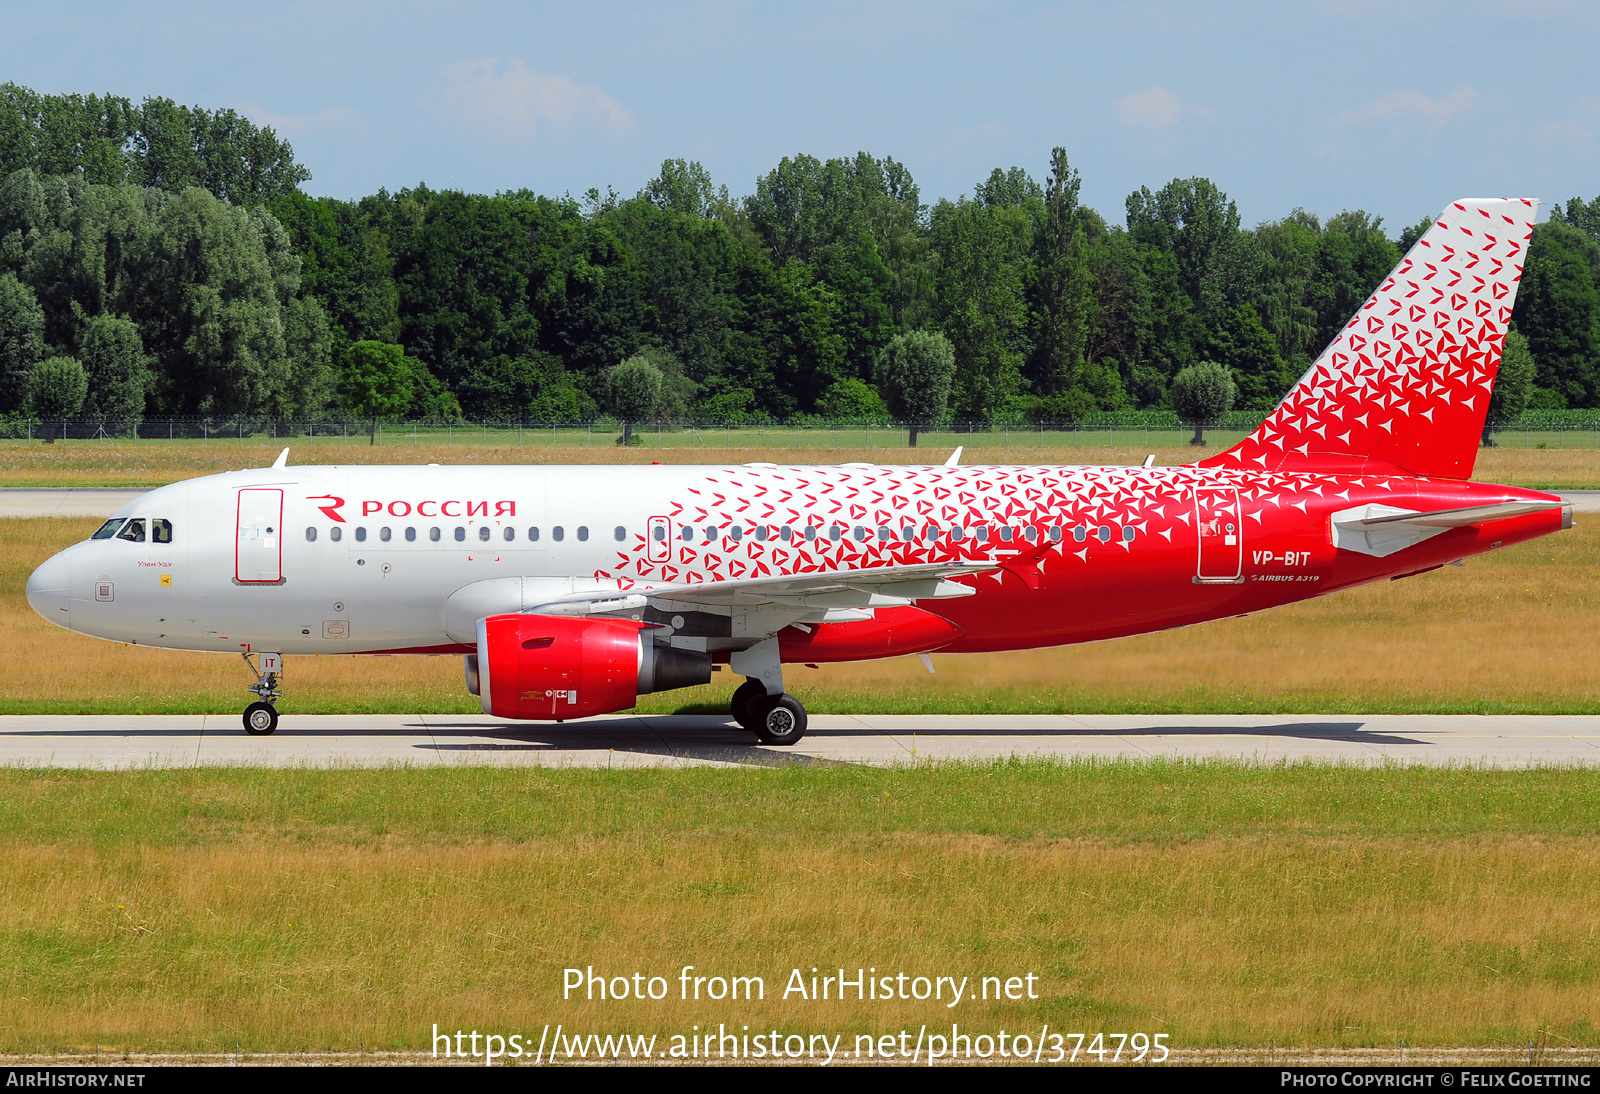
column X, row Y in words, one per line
column 331, row 510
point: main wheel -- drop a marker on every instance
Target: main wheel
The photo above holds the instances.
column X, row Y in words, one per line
column 746, row 693
column 260, row 719
column 780, row 719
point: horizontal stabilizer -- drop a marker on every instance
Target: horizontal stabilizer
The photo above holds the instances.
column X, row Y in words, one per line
column 1381, row 530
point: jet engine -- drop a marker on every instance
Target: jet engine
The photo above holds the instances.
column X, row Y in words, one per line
column 556, row 667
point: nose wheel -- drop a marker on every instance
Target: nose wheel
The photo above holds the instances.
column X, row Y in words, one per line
column 261, row 717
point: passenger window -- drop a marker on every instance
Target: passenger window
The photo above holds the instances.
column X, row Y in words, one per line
column 811, row 533
column 658, row 533
column 786, row 533
column 483, row 533
column 160, row 530
column 133, row 531
column 361, row 534
column 833, row 533
column 533, row 535
column 1080, row 533
column 736, row 533
column 860, row 533
column 461, row 534
column 620, row 534
column 336, row 533
column 583, row 533
column 908, row 533
column 1055, row 534
column 411, row 535
column 957, row 533
column 688, row 534
column 1104, row 533
column 383, row 534
column 981, row 533
column 1127, row 535
column 108, row 529
column 1032, row 533
column 761, row 533
column 311, row 535
column 932, row 533
column 1007, row 533
column 433, row 533
column 558, row 533
column 883, row 533
column 509, row 534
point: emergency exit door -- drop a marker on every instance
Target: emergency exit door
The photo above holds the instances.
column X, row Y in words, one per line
column 1216, row 510
column 258, row 553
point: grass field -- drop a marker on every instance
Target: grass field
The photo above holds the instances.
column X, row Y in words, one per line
column 1566, row 463
column 1512, row 631
column 1221, row 905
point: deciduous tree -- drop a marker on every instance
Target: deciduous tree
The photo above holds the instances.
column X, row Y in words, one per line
column 913, row 375
column 1201, row 395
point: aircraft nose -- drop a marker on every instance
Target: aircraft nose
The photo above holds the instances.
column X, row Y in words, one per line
column 48, row 589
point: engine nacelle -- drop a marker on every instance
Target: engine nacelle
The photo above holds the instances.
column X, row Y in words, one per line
column 558, row 667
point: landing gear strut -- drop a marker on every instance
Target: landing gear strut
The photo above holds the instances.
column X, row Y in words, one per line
column 261, row 717
column 760, row 704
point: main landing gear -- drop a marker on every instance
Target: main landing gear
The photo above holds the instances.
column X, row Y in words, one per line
column 774, row 719
column 261, row 717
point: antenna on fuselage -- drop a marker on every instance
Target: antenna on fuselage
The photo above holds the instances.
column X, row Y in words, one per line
column 282, row 461
column 955, row 457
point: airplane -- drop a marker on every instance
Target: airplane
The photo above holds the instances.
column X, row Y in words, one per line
column 571, row 591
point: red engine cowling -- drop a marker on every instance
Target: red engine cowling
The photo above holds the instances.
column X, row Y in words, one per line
column 891, row 632
column 556, row 667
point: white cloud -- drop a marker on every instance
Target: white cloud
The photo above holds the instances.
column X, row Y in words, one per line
column 1407, row 104
column 512, row 103
column 1577, row 130
column 1154, row 108
column 296, row 126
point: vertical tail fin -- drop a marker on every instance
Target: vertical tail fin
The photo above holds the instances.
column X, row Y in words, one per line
column 1408, row 380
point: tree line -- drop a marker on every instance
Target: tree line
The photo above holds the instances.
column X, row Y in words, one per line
column 163, row 260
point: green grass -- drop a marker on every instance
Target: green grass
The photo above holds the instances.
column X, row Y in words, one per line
column 1160, row 801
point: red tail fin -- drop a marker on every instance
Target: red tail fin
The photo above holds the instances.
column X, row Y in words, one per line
column 1408, row 380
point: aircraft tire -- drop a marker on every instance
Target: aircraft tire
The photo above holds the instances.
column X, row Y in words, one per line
column 780, row 719
column 260, row 719
column 744, row 695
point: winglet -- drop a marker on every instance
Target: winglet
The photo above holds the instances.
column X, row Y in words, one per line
column 955, row 457
column 282, row 461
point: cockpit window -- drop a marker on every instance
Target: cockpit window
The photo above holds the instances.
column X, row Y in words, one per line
column 160, row 530
column 109, row 528
column 133, row 531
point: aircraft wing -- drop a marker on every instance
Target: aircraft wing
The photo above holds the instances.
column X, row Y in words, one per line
column 1382, row 530
column 839, row 592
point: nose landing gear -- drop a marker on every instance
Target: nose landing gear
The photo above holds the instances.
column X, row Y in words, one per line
column 261, row 717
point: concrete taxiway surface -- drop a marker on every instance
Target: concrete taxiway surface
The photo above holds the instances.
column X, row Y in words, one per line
column 19, row 501
column 110, row 741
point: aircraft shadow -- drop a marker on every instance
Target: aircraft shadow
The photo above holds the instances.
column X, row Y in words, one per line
column 710, row 737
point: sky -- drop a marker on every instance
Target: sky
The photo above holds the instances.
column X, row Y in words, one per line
column 1393, row 107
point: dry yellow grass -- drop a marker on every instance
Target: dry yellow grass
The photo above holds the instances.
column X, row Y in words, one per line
column 1512, row 631
column 154, row 463
column 280, row 946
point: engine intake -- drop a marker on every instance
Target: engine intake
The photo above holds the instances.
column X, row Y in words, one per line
column 558, row 667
